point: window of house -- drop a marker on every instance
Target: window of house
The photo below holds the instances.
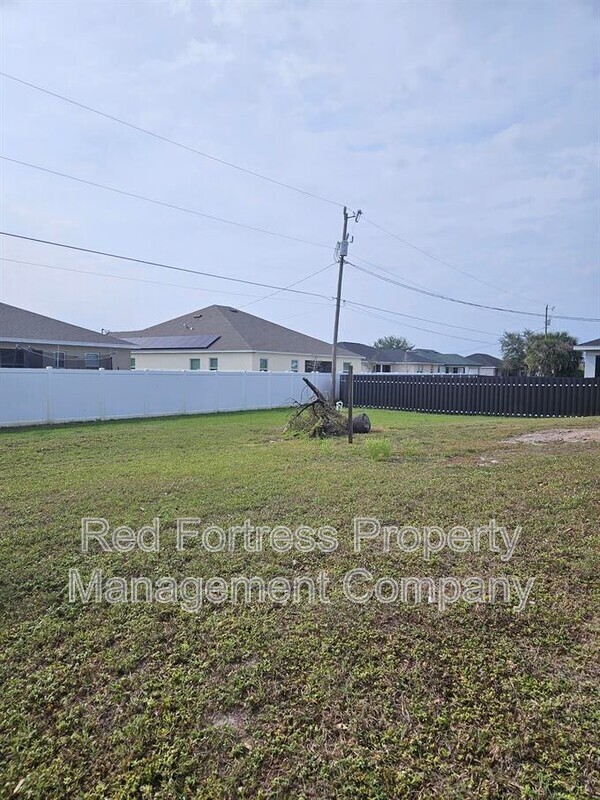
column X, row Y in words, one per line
column 59, row 360
column 132, row 363
column 263, row 364
column 317, row 366
column 194, row 363
column 420, row 369
column 294, row 365
column 213, row 364
column 92, row 360
column 346, row 366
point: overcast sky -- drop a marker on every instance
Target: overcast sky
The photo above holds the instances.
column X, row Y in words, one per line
column 469, row 129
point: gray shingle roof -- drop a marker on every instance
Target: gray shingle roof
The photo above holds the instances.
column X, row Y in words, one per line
column 421, row 356
column 392, row 356
column 237, row 331
column 359, row 349
column 20, row 325
column 485, row 360
column 592, row 343
column 447, row 359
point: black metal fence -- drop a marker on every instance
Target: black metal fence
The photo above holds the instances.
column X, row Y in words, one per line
column 521, row 396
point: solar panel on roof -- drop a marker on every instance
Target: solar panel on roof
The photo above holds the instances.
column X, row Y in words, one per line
column 174, row 342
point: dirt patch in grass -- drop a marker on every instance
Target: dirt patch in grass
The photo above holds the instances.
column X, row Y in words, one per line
column 235, row 719
column 558, row 435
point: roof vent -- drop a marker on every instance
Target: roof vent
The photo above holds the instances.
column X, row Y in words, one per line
column 234, row 310
column 197, row 316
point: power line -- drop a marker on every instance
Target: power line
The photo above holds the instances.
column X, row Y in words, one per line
column 467, row 302
column 264, row 231
column 243, row 294
column 146, row 280
column 423, row 319
column 163, row 203
column 445, row 263
column 161, row 265
column 244, row 280
column 291, row 285
column 416, row 327
column 301, row 314
column 268, row 179
column 162, row 138
column 389, row 271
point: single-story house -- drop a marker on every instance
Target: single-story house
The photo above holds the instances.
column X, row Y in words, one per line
column 28, row 339
column 423, row 362
column 591, row 357
column 488, row 365
column 227, row 339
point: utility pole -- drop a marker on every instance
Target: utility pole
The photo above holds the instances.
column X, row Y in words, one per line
column 343, row 252
column 546, row 323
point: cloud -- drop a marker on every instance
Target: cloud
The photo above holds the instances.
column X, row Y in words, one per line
column 207, row 52
column 180, row 7
column 230, row 12
column 209, row 56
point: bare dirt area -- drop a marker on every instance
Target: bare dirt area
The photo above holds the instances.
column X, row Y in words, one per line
column 568, row 435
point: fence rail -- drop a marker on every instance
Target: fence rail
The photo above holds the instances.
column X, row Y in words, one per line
column 521, row 396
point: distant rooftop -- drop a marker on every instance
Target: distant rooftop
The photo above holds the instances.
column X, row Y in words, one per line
column 421, row 355
column 21, row 326
column 485, row 360
column 231, row 330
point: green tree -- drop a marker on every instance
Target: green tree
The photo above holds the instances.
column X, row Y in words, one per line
column 513, row 346
column 529, row 353
column 552, row 354
column 392, row 343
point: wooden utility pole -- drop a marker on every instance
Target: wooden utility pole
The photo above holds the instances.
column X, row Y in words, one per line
column 546, row 323
column 350, row 389
column 343, row 252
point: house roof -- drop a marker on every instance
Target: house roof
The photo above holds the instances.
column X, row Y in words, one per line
column 232, row 330
column 359, row 349
column 21, row 326
column 393, row 356
column 594, row 343
column 485, row 360
column 421, row 355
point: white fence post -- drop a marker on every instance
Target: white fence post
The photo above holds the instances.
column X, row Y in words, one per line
column 49, row 372
column 101, row 394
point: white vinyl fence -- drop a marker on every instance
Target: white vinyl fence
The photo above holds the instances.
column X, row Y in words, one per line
column 44, row 396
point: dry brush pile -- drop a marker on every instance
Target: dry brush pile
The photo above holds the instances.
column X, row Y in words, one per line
column 319, row 418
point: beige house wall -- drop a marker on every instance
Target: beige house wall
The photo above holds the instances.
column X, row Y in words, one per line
column 232, row 362
column 180, row 359
column 427, row 369
column 282, row 362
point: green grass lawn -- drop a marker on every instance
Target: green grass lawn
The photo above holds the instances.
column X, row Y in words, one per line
column 304, row 700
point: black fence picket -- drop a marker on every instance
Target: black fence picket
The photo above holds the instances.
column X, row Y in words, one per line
column 514, row 396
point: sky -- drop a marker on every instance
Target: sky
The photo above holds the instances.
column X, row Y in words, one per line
column 468, row 130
